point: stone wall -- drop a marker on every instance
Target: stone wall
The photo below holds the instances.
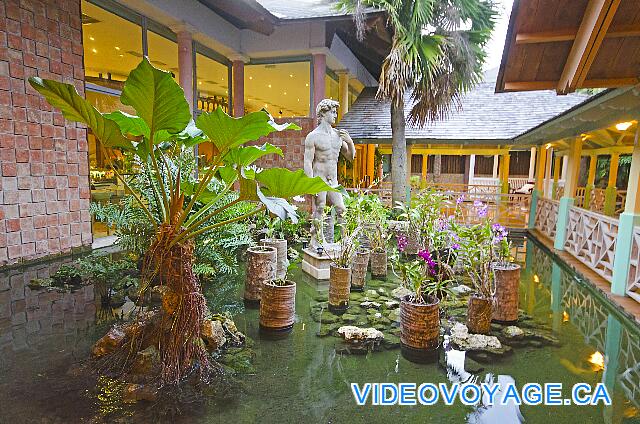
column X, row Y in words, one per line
column 44, row 184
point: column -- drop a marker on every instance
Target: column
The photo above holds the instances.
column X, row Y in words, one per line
column 588, row 192
column 565, row 164
column 319, row 59
column 504, row 173
column 539, row 188
column 556, row 175
column 185, row 64
column 547, row 173
column 437, row 168
column 371, row 160
column 343, row 82
column 237, row 75
column 570, row 185
column 610, row 193
column 425, row 159
column 532, row 164
column 495, row 167
column 629, row 219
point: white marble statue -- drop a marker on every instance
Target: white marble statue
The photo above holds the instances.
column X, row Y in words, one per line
column 322, row 148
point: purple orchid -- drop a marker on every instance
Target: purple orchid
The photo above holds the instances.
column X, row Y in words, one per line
column 460, row 199
column 426, row 256
column 403, row 242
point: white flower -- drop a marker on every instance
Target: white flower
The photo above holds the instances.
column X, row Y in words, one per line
column 298, row 199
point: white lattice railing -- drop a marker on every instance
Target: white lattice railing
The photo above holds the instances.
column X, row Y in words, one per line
column 547, row 217
column 633, row 281
column 591, row 238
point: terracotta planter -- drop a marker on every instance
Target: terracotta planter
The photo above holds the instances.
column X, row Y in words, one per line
column 281, row 261
column 379, row 265
column 506, row 305
column 479, row 315
column 339, row 285
column 420, row 324
column 261, row 268
column 278, row 307
column 359, row 270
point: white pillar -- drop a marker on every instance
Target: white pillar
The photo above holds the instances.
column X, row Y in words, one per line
column 532, row 164
column 548, row 181
column 565, row 164
column 472, row 168
column 496, row 158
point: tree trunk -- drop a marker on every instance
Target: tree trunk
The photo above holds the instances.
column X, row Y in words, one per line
column 399, row 152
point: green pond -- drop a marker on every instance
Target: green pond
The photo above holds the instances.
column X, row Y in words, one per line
column 306, row 378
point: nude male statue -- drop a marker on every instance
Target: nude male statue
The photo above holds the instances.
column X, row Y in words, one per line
column 322, row 148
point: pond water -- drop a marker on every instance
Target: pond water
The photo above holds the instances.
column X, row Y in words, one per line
column 303, row 379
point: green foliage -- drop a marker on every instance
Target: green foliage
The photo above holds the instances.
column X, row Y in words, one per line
column 66, row 275
column 368, row 212
column 274, row 227
column 478, row 256
column 116, row 274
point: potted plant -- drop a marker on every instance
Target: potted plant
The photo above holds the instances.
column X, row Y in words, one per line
column 378, row 235
column 261, row 268
column 478, row 257
column 275, row 239
column 359, row 269
column 340, row 270
column 507, row 277
column 278, row 304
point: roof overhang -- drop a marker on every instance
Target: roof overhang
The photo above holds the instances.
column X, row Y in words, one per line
column 570, row 44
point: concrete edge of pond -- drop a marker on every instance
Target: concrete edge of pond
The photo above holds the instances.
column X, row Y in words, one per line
column 623, row 306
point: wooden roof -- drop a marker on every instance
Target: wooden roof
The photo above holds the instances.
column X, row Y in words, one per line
column 569, row 44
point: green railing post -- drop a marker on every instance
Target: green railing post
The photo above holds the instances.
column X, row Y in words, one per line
column 622, row 259
column 588, row 195
column 610, row 195
column 563, row 220
column 535, row 194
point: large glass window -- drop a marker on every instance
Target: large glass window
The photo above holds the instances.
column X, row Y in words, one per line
column 282, row 89
column 331, row 88
column 212, row 86
column 163, row 53
column 112, row 46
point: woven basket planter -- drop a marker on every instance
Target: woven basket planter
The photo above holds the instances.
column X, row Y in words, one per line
column 379, row 265
column 506, row 305
column 479, row 315
column 282, row 263
column 359, row 269
column 261, row 268
column 420, row 324
column 339, row 289
column 278, row 307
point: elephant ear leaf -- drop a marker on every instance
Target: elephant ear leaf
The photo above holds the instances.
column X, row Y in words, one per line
column 226, row 132
column 157, row 99
column 281, row 182
column 65, row 98
column 278, row 206
column 245, row 156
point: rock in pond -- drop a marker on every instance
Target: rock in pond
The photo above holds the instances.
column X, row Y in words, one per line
column 512, row 332
column 369, row 305
column 392, row 304
column 371, row 294
column 109, row 342
column 213, row 334
column 351, row 333
column 136, row 392
column 400, row 292
column 476, row 342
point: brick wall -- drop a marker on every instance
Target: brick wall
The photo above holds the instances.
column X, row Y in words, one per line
column 44, row 184
column 291, row 143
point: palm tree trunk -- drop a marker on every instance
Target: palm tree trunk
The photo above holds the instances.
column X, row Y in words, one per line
column 399, row 152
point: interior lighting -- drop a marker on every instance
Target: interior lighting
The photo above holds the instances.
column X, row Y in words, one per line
column 597, row 361
column 565, row 316
column 306, row 85
column 94, row 50
column 91, row 38
column 117, row 48
column 548, row 146
column 285, row 93
column 536, row 279
column 290, row 75
column 623, row 126
column 269, row 85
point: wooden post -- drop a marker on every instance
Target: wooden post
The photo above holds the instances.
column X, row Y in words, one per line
column 570, row 185
column 610, row 193
column 539, row 188
column 425, row 158
column 556, row 176
column 237, row 73
column 319, row 60
column 504, row 173
column 629, row 219
column 588, row 191
column 185, row 64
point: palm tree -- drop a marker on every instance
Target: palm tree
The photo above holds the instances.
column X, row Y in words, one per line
column 436, row 55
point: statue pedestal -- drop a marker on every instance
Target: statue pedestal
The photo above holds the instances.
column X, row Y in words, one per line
column 314, row 264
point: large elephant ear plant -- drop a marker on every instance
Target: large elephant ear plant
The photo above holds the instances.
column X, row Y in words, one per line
column 164, row 120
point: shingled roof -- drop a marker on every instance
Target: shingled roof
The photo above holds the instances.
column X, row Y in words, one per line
column 302, row 9
column 485, row 116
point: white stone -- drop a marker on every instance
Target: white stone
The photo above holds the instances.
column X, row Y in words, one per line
column 513, row 332
column 352, row 333
column 461, row 289
column 461, row 337
column 370, row 305
column 391, row 304
column 400, row 292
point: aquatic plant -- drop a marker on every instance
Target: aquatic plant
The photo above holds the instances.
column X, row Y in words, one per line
column 164, row 125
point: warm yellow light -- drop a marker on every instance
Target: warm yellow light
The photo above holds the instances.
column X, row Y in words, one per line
column 290, row 75
column 285, row 93
column 94, row 50
column 269, row 85
column 117, row 48
column 565, row 316
column 199, row 82
column 306, row 85
column 250, row 77
column 597, row 360
column 91, row 38
column 548, row 146
column 536, row 279
column 623, row 126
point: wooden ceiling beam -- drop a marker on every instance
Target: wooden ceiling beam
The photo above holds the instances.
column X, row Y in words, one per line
column 550, row 85
column 593, row 28
column 621, row 31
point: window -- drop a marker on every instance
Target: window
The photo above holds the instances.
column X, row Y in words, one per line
column 212, row 84
column 163, row 53
column 331, row 88
column 484, row 165
column 281, row 88
column 112, row 46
